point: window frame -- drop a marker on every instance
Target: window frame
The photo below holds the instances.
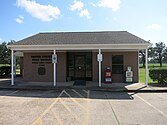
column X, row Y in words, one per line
column 118, row 67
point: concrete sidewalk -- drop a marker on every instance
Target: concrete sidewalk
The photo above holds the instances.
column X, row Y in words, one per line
column 114, row 87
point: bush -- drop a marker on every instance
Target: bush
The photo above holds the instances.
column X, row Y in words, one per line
column 5, row 71
column 159, row 75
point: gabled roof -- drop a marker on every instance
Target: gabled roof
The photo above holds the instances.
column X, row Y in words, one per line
column 62, row 38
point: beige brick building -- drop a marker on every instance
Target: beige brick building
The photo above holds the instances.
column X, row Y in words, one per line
column 77, row 56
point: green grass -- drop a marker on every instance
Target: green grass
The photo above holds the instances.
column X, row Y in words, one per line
column 143, row 74
column 17, row 71
column 155, row 65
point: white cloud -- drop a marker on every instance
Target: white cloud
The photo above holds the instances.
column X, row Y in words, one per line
column 113, row 4
column 19, row 19
column 1, row 39
column 77, row 5
column 85, row 13
column 154, row 26
column 42, row 12
column 93, row 4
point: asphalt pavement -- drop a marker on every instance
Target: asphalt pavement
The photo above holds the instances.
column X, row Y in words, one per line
column 82, row 107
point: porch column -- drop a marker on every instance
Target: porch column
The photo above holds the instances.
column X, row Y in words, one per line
column 99, row 58
column 146, row 63
column 54, row 66
column 12, row 67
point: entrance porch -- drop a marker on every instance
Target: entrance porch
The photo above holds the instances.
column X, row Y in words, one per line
column 78, row 65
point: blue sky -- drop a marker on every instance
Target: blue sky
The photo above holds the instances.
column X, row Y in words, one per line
column 144, row 18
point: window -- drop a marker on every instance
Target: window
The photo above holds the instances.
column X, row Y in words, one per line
column 117, row 64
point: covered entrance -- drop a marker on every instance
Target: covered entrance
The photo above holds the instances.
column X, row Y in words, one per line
column 78, row 56
column 79, row 66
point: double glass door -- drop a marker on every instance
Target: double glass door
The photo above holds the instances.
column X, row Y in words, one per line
column 79, row 65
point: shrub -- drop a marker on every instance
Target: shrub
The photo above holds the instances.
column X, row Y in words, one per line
column 5, row 71
column 159, row 75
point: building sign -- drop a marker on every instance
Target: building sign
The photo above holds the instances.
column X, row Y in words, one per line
column 99, row 57
column 46, row 59
column 54, row 58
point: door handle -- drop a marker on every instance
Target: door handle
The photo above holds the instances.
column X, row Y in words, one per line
column 79, row 67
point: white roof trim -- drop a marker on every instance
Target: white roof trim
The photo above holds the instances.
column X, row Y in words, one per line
column 79, row 46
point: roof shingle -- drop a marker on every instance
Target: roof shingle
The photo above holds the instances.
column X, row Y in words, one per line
column 108, row 37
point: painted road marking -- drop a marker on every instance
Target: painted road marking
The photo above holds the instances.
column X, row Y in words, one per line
column 112, row 110
column 58, row 118
column 78, row 93
column 38, row 120
column 151, row 105
column 86, row 91
column 45, row 112
column 87, row 111
column 9, row 94
column 74, row 100
column 62, row 102
column 87, row 100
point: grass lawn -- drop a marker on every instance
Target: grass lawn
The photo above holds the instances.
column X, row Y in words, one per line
column 143, row 74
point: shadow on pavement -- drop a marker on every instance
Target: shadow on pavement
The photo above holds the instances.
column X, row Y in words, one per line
column 67, row 93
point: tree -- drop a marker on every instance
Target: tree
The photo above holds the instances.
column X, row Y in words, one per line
column 165, row 55
column 5, row 53
column 142, row 54
column 159, row 50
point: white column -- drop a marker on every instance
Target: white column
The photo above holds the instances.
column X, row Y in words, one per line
column 12, row 67
column 54, row 70
column 146, row 63
column 99, row 69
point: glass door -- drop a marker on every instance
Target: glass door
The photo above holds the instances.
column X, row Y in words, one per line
column 79, row 66
column 80, row 72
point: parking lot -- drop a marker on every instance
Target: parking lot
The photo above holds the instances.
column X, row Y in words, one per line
column 81, row 107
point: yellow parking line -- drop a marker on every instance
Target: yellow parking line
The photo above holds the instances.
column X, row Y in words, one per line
column 42, row 114
column 38, row 122
column 58, row 118
column 62, row 102
column 78, row 93
column 75, row 101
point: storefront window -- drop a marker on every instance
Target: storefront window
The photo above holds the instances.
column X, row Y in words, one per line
column 117, row 64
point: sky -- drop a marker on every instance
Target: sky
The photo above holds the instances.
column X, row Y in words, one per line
column 146, row 19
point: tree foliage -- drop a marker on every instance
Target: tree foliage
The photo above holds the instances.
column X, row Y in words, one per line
column 159, row 75
column 142, row 54
column 160, row 52
column 5, row 53
column 157, row 54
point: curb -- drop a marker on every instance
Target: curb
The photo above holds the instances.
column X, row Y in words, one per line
column 136, row 91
